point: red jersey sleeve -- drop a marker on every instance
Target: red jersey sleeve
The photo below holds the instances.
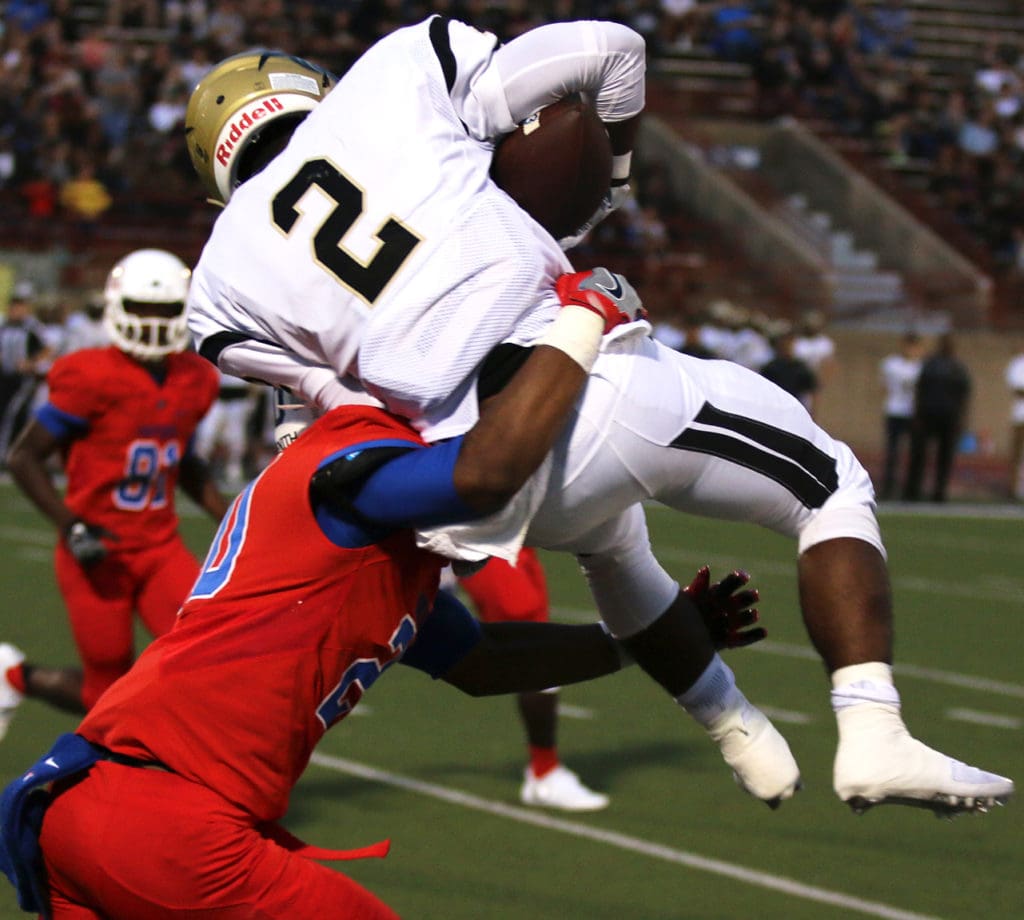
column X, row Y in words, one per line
column 76, row 384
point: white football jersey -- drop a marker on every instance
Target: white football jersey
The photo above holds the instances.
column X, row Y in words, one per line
column 377, row 245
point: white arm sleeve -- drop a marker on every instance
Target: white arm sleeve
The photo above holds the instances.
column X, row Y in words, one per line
column 628, row 584
column 313, row 384
column 605, row 61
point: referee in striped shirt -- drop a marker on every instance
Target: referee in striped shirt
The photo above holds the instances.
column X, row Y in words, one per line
column 23, row 350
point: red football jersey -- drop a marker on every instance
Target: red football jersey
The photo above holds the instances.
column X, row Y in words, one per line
column 282, row 634
column 123, row 471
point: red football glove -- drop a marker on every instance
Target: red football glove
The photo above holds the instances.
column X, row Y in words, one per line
column 607, row 294
column 727, row 611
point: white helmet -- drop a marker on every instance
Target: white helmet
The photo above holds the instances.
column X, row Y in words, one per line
column 145, row 304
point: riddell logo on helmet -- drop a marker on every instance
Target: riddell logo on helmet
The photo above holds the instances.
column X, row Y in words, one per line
column 241, row 126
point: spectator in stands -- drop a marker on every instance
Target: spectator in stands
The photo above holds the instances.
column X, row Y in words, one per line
column 669, row 332
column 752, row 346
column 226, row 27
column 979, row 135
column 28, row 16
column 117, row 96
column 899, row 372
column 692, row 342
column 680, row 27
column 8, row 161
column 84, row 197
column 133, row 14
column 788, row 371
column 720, row 331
column 885, row 29
column 40, row 194
column 733, row 30
column 996, row 71
column 167, row 114
column 940, row 409
column 776, row 70
column 1015, row 383
column 187, row 17
column 814, row 346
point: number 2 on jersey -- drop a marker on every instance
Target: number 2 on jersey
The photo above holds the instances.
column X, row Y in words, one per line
column 397, row 242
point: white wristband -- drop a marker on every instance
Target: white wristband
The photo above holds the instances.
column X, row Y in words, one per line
column 620, row 166
column 577, row 331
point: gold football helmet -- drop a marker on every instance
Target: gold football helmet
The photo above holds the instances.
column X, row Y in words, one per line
column 246, row 103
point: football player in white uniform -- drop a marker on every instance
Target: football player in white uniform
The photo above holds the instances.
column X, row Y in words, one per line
column 374, row 259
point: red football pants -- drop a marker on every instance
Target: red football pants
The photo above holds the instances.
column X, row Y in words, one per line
column 102, row 600
column 126, row 843
column 503, row 593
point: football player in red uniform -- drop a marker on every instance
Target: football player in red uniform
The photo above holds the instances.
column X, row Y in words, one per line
column 313, row 586
column 122, row 419
column 503, row 593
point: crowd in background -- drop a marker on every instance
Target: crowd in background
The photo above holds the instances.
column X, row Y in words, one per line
column 92, row 109
column 855, row 65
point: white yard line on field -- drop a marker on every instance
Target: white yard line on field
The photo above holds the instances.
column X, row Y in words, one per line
column 792, row 716
column 695, row 861
column 568, row 711
column 984, row 718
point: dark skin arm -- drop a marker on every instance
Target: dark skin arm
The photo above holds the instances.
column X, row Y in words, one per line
column 517, row 429
column 523, row 657
column 194, row 479
column 27, row 463
column 517, row 657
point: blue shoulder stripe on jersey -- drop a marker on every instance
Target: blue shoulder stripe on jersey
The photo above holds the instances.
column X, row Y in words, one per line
column 444, row 638
column 62, row 425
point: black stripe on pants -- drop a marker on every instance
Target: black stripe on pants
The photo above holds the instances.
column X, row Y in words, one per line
column 807, row 472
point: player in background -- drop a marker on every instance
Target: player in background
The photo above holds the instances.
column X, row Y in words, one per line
column 226, row 709
column 122, row 418
column 226, row 426
column 505, row 593
column 695, row 435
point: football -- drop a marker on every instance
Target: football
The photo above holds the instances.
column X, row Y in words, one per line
column 557, row 165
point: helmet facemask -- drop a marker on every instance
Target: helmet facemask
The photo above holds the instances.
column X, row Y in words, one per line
column 145, row 304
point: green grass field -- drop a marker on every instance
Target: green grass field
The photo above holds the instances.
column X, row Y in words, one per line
column 438, row 773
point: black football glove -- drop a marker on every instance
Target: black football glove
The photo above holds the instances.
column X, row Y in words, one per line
column 728, row 612
column 85, row 542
